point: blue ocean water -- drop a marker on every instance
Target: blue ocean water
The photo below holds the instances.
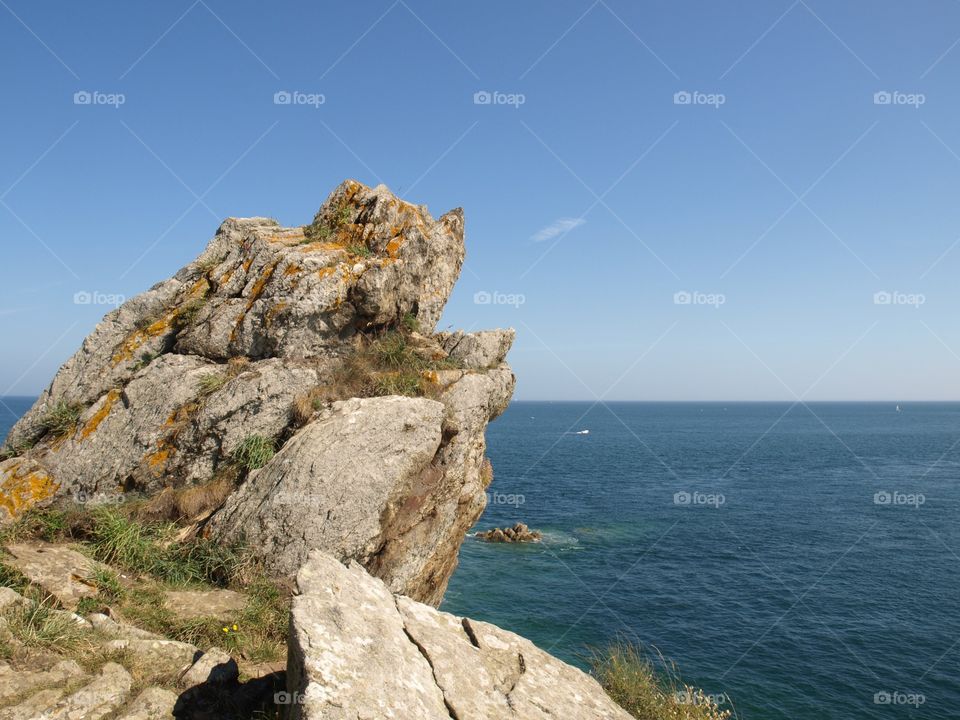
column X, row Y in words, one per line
column 802, row 561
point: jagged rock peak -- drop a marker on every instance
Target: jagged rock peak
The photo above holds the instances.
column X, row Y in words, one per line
column 252, row 367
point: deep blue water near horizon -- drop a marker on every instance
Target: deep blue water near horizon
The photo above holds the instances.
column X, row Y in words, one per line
column 799, row 596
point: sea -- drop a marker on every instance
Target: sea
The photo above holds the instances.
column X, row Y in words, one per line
column 795, row 561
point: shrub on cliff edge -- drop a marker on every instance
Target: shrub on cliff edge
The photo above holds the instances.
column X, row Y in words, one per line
column 650, row 688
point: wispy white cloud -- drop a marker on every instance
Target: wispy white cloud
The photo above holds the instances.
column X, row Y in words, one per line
column 558, row 227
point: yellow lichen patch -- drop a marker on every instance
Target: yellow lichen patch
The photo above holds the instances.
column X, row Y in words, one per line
column 199, row 289
column 327, row 271
column 157, row 459
column 321, row 246
column 289, row 236
column 23, row 487
column 247, row 263
column 138, row 337
column 273, row 312
column 98, row 417
column 225, row 278
column 291, row 269
column 255, row 292
column 393, row 247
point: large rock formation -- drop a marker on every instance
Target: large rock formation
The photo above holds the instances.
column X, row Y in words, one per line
column 359, row 651
column 168, row 387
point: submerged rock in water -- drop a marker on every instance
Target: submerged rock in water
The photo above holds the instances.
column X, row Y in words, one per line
column 519, row 533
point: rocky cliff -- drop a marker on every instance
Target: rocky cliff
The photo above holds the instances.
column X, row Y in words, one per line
column 294, row 374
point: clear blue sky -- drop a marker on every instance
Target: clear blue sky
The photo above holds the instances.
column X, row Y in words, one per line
column 795, row 200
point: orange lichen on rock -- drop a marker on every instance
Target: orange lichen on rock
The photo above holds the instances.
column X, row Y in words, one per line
column 157, row 459
column 255, row 292
column 393, row 247
column 138, row 337
column 273, row 311
column 98, row 417
column 21, row 487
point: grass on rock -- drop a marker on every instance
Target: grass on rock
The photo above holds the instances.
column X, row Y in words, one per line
column 61, row 418
column 254, row 452
column 152, row 563
column 649, row 687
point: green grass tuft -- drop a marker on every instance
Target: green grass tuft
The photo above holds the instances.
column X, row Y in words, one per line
column 254, row 452
column 211, row 382
column 40, row 625
column 61, row 418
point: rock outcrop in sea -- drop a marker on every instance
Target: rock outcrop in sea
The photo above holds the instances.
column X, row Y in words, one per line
column 519, row 533
column 172, row 386
column 287, row 393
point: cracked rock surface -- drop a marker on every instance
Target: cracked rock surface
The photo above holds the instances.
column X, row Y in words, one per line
column 357, row 650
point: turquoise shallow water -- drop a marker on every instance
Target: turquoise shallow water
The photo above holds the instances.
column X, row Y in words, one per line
column 786, row 583
column 747, row 542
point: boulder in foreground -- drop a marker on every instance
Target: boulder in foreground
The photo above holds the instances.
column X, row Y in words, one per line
column 358, row 650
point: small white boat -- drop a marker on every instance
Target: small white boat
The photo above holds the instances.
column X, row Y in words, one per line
column 898, row 409
column 582, row 432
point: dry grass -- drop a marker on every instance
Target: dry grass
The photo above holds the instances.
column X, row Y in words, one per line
column 389, row 363
column 185, row 504
column 41, row 625
column 649, row 687
column 60, row 419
